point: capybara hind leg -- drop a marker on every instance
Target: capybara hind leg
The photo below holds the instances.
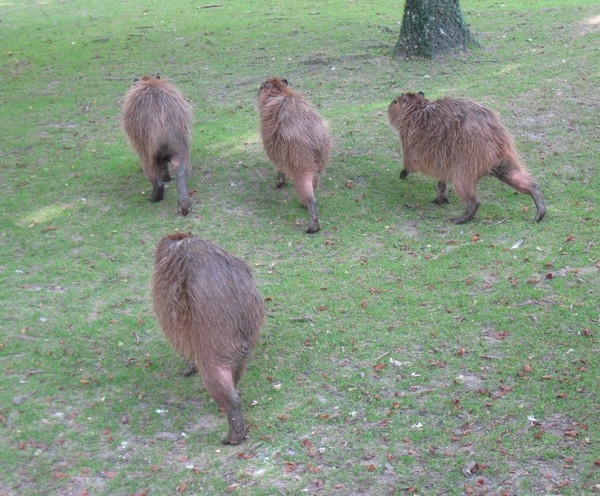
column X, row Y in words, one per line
column 237, row 426
column 313, row 216
column 220, row 386
column 441, row 197
column 238, row 372
column 523, row 183
column 181, row 168
column 404, row 174
column 164, row 172
column 306, row 194
column 468, row 194
column 152, row 172
column 280, row 180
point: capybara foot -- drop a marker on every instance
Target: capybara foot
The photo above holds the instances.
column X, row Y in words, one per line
column 470, row 212
column 442, row 197
column 404, row 174
column 185, row 206
column 313, row 227
column 280, row 180
column 538, row 199
column 189, row 370
column 158, row 193
column 165, row 175
column 237, row 426
column 234, row 440
column 540, row 214
column 461, row 220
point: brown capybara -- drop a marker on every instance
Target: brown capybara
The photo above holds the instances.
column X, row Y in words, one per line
column 296, row 140
column 459, row 141
column 157, row 120
column 209, row 308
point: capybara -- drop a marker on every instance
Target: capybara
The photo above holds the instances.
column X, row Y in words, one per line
column 157, row 120
column 296, row 140
column 209, row 308
column 459, row 141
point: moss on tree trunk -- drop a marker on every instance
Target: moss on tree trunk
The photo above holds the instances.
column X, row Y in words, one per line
column 431, row 27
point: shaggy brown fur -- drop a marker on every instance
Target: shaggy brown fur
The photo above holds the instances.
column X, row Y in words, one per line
column 157, row 119
column 296, row 140
column 459, row 141
column 211, row 311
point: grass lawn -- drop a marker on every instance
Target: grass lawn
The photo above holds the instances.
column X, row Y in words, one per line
column 401, row 354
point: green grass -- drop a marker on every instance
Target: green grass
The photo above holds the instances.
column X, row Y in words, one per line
column 428, row 345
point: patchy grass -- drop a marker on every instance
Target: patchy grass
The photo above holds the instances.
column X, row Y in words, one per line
column 401, row 355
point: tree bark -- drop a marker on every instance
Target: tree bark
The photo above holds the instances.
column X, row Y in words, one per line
column 432, row 27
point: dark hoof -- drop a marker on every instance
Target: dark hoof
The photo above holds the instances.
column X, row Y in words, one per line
column 404, row 174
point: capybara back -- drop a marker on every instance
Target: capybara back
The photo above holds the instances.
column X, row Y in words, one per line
column 296, row 140
column 209, row 308
column 157, row 120
column 459, row 141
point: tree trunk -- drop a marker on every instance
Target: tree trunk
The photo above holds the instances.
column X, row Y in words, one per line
column 432, row 27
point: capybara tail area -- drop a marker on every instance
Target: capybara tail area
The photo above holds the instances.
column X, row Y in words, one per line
column 219, row 383
column 305, row 190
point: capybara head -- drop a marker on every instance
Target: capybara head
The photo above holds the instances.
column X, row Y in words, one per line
column 396, row 108
column 274, row 86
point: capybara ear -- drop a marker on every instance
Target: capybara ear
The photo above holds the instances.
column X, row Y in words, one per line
column 267, row 85
column 420, row 93
column 405, row 98
column 157, row 75
column 284, row 82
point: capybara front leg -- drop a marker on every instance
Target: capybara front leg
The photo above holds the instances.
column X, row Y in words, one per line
column 404, row 173
column 442, row 197
column 181, row 168
column 280, row 180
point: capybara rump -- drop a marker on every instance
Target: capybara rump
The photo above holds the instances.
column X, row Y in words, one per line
column 296, row 140
column 157, row 120
column 209, row 308
column 459, row 141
